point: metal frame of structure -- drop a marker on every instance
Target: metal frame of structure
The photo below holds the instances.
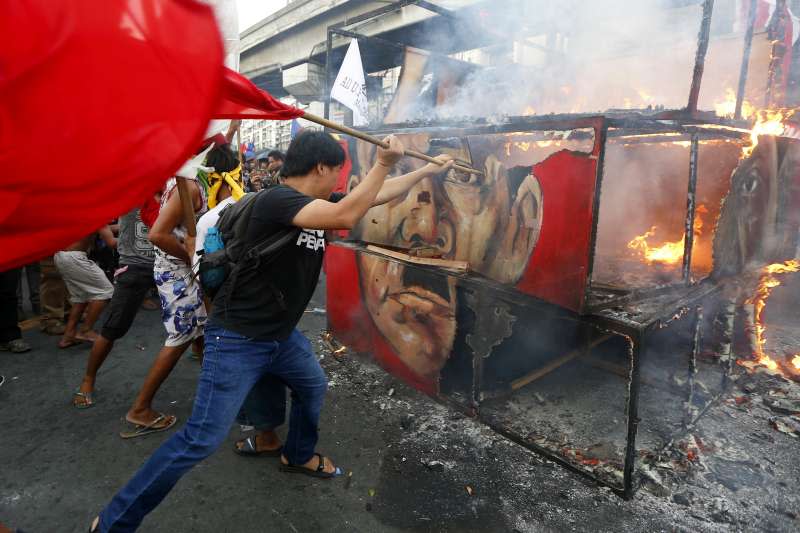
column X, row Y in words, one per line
column 690, row 294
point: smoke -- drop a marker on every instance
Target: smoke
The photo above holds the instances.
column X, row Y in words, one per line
column 556, row 57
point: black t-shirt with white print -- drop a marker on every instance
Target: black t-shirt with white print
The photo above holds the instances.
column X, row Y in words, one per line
column 292, row 276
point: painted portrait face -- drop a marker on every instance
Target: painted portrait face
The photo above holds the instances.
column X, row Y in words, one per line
column 484, row 220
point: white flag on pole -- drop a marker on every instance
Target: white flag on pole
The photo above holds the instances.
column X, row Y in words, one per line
column 349, row 87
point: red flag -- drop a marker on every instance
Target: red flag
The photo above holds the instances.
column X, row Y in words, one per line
column 99, row 103
column 242, row 99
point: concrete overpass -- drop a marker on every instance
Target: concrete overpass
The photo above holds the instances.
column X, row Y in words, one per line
column 291, row 43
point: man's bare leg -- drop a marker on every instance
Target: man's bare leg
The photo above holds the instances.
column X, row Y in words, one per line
column 141, row 411
column 70, row 336
column 93, row 311
column 266, row 441
column 100, row 350
column 197, row 348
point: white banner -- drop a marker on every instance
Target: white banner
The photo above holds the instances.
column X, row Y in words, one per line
column 350, row 88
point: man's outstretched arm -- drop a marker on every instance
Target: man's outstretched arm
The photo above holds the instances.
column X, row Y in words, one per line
column 394, row 187
column 322, row 214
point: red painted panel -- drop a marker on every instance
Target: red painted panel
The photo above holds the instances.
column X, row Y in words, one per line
column 558, row 267
column 349, row 320
column 346, row 314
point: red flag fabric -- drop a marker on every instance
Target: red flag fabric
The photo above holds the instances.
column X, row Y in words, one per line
column 100, row 102
column 242, row 99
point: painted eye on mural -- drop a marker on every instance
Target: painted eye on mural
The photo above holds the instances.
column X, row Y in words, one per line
column 750, row 184
column 462, row 178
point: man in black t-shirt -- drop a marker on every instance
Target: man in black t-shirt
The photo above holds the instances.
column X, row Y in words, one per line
column 252, row 329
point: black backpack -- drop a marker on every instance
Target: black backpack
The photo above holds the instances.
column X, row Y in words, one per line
column 225, row 264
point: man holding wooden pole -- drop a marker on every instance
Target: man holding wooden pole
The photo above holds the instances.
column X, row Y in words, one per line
column 252, row 334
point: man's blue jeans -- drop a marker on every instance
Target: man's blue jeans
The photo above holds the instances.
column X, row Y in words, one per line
column 232, row 364
column 265, row 406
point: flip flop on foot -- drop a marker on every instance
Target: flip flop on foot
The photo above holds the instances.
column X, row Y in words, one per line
column 161, row 423
column 82, row 400
column 249, row 447
column 318, row 472
column 69, row 342
column 87, row 336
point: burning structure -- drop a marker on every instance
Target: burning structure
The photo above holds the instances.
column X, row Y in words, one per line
column 565, row 296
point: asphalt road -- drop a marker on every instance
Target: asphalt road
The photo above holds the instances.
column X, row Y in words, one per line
column 416, row 466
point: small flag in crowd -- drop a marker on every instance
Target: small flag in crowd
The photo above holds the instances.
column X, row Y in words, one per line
column 296, row 128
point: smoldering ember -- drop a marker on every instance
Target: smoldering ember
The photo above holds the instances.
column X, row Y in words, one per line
column 586, row 321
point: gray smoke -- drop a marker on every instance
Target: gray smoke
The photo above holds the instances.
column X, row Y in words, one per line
column 571, row 56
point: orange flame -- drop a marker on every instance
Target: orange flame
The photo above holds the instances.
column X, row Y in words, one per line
column 525, row 146
column 670, row 253
column 727, row 107
column 796, row 362
column 766, row 282
column 768, row 122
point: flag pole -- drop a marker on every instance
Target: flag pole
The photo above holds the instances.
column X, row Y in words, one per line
column 239, row 147
column 374, row 140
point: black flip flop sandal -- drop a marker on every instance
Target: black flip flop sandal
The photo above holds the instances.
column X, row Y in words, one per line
column 319, row 472
column 250, row 449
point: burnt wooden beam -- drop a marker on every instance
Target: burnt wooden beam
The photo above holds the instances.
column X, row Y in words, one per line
column 700, row 56
column 691, row 203
column 748, row 44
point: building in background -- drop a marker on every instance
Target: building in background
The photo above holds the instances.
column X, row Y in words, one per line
column 277, row 134
column 285, row 53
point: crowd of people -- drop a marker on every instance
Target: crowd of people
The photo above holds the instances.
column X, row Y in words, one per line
column 245, row 335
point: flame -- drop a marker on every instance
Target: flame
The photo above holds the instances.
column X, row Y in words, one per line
column 768, row 122
column 529, row 111
column 727, row 108
column 796, row 362
column 670, row 253
column 766, row 282
column 525, row 146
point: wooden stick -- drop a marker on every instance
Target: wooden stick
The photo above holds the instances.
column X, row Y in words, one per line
column 556, row 363
column 239, row 147
column 458, row 266
column 374, row 140
column 188, row 207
